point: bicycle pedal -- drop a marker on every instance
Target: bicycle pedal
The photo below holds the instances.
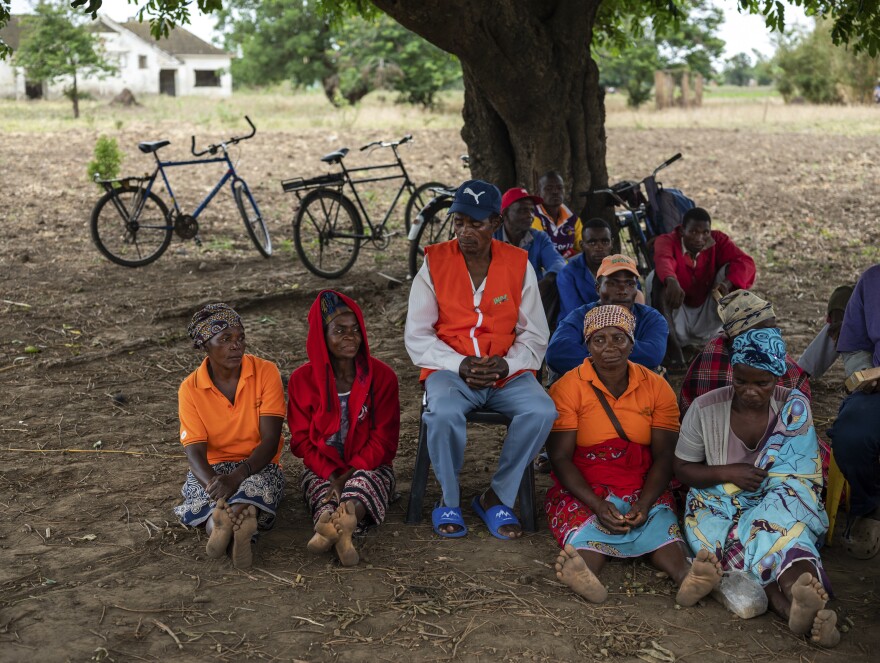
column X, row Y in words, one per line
column 198, row 241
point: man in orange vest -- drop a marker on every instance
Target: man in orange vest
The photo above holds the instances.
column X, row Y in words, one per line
column 476, row 327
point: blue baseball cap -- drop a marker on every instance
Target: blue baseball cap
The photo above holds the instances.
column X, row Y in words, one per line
column 477, row 199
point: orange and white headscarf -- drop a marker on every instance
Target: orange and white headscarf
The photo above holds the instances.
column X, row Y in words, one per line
column 611, row 315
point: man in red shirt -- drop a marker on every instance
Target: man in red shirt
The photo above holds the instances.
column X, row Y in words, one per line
column 691, row 263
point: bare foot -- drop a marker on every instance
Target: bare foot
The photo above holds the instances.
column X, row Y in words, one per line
column 808, row 597
column 704, row 576
column 325, row 535
column 345, row 521
column 221, row 534
column 824, row 631
column 571, row 569
column 244, row 524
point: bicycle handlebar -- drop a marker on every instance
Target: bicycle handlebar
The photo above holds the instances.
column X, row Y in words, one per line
column 232, row 141
column 618, row 188
column 610, row 192
column 382, row 143
column 671, row 160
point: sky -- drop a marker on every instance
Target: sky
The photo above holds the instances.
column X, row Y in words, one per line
column 741, row 32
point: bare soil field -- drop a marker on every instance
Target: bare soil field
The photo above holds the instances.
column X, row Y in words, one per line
column 93, row 565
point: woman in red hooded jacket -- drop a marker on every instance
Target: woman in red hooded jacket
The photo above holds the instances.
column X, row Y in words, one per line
column 344, row 417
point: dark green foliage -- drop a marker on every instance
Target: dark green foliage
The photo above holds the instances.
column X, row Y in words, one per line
column 107, row 159
column 384, row 54
column 349, row 56
column 810, row 66
column 686, row 41
column 278, row 41
column 56, row 44
column 743, row 68
column 738, row 69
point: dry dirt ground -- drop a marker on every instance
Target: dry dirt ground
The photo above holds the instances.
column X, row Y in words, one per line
column 94, row 566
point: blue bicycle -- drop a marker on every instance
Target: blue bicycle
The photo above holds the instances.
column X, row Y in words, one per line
column 132, row 226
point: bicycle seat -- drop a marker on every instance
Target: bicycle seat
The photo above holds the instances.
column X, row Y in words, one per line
column 335, row 157
column 152, row 146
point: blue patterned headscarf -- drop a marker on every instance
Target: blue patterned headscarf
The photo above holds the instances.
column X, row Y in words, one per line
column 760, row 348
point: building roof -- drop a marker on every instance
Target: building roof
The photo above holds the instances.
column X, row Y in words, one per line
column 178, row 42
column 11, row 32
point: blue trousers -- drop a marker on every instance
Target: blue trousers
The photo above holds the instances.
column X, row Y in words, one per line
column 855, row 441
column 523, row 400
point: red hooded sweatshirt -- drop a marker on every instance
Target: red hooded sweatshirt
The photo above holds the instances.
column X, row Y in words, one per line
column 313, row 409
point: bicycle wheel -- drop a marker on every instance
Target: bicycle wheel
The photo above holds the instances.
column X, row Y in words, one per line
column 327, row 233
column 640, row 251
column 421, row 196
column 436, row 227
column 252, row 218
column 130, row 229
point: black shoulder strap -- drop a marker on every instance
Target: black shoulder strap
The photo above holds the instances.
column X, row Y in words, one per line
column 605, row 406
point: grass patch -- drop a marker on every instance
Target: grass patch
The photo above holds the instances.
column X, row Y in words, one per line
column 219, row 244
column 283, row 110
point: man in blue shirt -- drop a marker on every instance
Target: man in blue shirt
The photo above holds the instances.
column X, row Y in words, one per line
column 617, row 282
column 517, row 212
column 577, row 282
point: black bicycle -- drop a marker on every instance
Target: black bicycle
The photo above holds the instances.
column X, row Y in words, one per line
column 644, row 214
column 433, row 224
column 328, row 228
column 132, row 226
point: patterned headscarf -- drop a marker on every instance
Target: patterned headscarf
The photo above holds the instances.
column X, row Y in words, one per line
column 760, row 348
column 611, row 315
column 332, row 306
column 210, row 321
column 741, row 310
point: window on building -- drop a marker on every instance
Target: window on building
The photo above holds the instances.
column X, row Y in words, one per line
column 207, row 78
column 142, row 61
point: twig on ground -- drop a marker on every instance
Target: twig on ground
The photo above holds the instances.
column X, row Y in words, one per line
column 169, row 632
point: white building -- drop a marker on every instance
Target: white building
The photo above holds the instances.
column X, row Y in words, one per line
column 180, row 65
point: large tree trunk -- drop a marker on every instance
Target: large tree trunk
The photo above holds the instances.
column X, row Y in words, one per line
column 532, row 97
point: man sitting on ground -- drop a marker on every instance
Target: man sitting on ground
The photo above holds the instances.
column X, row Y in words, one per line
column 552, row 216
column 517, row 212
column 476, row 328
column 739, row 311
column 617, row 279
column 692, row 264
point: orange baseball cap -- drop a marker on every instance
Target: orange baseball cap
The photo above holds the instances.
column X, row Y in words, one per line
column 617, row 262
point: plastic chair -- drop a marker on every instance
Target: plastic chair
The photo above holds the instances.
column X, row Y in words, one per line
column 836, row 488
column 528, row 506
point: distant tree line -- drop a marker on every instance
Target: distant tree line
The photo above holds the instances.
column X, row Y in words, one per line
column 349, row 56
column 807, row 64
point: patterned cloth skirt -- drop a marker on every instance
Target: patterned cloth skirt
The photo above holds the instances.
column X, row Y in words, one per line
column 616, row 471
column 372, row 488
column 264, row 490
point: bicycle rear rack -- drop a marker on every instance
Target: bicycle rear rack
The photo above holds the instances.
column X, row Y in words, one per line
column 117, row 182
column 299, row 184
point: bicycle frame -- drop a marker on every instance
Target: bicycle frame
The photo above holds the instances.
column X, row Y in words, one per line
column 230, row 174
column 406, row 186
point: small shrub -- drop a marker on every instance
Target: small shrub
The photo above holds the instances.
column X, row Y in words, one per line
column 108, row 158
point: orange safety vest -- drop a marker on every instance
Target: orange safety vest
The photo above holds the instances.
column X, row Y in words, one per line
column 490, row 328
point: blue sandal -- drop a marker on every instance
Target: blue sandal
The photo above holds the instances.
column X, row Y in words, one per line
column 448, row 515
column 495, row 518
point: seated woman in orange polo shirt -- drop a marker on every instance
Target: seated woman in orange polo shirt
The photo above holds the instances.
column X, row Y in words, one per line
column 611, row 450
column 231, row 409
